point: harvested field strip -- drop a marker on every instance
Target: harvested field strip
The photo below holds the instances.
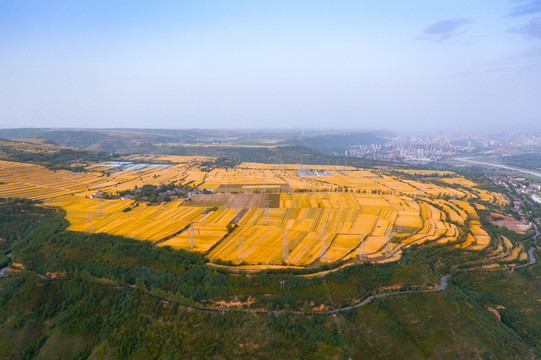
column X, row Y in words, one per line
column 342, row 245
column 204, row 235
column 467, row 208
column 348, row 202
column 308, row 249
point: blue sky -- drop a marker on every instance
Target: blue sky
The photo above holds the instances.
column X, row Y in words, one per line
column 419, row 65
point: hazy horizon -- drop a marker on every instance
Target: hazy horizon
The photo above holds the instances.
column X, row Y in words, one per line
column 260, row 65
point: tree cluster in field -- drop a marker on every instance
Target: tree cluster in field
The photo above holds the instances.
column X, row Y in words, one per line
column 425, row 175
column 219, row 163
column 154, row 193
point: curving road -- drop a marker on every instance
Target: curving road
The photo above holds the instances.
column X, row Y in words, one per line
column 442, row 287
column 531, row 262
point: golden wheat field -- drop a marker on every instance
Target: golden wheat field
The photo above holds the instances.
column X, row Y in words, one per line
column 260, row 214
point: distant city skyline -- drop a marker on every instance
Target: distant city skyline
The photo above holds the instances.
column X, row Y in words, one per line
column 403, row 66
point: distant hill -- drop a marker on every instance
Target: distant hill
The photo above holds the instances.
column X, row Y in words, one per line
column 289, row 154
column 106, row 140
column 50, row 155
column 71, row 138
column 284, row 146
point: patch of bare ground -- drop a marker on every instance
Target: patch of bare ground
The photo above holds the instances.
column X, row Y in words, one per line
column 391, row 287
column 232, row 303
column 16, row 266
column 491, row 266
column 320, row 308
column 54, row 275
column 249, row 345
column 509, row 222
column 495, row 312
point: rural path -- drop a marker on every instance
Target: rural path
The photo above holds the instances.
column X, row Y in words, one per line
column 442, row 287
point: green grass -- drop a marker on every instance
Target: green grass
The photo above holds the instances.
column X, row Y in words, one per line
column 80, row 318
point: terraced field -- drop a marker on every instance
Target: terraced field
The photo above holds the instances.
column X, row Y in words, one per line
column 266, row 214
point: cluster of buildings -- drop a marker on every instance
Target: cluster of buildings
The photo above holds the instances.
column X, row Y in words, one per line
column 524, row 186
column 523, row 142
column 413, row 149
column 425, row 149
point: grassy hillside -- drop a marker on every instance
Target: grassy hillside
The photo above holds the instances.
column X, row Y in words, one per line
column 271, row 147
column 105, row 304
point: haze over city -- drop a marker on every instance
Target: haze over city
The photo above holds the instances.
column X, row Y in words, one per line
column 239, row 64
column 270, row 179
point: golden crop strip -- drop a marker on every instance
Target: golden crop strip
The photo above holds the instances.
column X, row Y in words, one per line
column 324, row 216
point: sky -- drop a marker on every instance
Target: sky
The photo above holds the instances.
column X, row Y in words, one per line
column 469, row 65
